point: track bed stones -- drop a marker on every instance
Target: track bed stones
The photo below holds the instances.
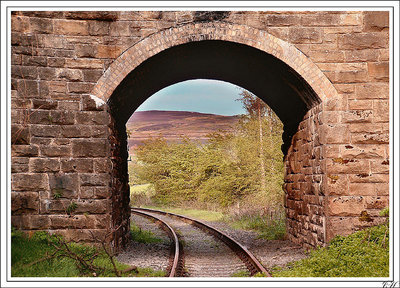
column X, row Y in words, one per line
column 205, row 255
column 147, row 255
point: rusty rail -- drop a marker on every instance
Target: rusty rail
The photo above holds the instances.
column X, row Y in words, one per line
column 245, row 255
column 176, row 255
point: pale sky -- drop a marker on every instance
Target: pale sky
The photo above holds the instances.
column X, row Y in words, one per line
column 200, row 95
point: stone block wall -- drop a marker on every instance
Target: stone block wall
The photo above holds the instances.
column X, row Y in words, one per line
column 63, row 139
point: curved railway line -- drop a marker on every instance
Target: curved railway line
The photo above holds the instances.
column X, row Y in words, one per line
column 208, row 251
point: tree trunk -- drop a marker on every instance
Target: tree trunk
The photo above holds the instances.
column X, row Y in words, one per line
column 262, row 168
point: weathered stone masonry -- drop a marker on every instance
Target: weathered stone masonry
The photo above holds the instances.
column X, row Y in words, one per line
column 67, row 146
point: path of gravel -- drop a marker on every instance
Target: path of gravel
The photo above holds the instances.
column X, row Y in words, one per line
column 151, row 255
column 201, row 249
column 205, row 256
column 269, row 252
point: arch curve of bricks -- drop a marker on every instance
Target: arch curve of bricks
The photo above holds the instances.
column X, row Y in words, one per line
column 242, row 34
column 336, row 169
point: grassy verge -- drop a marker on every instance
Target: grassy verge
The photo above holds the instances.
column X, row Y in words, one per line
column 143, row 236
column 361, row 254
column 204, row 215
column 270, row 229
column 27, row 254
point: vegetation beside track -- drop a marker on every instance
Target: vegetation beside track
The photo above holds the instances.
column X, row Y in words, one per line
column 30, row 258
column 362, row 254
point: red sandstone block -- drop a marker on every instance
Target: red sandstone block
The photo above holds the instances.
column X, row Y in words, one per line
column 84, row 63
column 20, row 24
column 70, row 27
column 336, row 184
column 357, row 116
column 339, row 226
column 360, row 151
column 363, row 40
column 44, row 165
column 382, row 189
column 326, row 56
column 365, row 55
column 92, row 118
column 376, row 20
column 371, row 138
column 381, row 111
column 362, row 189
column 29, row 182
column 369, row 178
column 24, row 203
column 69, row 165
column 379, row 71
column 24, row 150
column 372, row 91
column 355, row 104
column 78, row 87
column 41, row 25
column 45, row 130
column 346, row 205
column 55, row 151
column 19, row 164
column 380, row 166
column 335, row 134
column 305, row 35
column 346, row 166
column 89, row 148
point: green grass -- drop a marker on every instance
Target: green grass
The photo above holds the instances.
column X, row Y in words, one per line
column 266, row 228
column 204, row 215
column 242, row 273
column 143, row 236
column 26, row 250
column 361, row 254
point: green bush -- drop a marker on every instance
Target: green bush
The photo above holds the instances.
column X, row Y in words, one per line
column 361, row 254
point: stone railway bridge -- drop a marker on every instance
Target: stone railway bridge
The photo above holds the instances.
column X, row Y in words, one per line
column 76, row 77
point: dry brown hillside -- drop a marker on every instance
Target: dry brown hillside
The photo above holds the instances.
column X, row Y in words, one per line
column 174, row 124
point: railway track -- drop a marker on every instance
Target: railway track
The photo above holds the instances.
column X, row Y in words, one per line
column 208, row 251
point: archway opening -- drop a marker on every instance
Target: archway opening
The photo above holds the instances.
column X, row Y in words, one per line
column 273, row 81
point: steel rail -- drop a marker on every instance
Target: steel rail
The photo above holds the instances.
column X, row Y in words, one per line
column 177, row 255
column 247, row 257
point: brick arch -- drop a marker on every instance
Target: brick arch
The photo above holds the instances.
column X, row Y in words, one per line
column 242, row 34
column 305, row 176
